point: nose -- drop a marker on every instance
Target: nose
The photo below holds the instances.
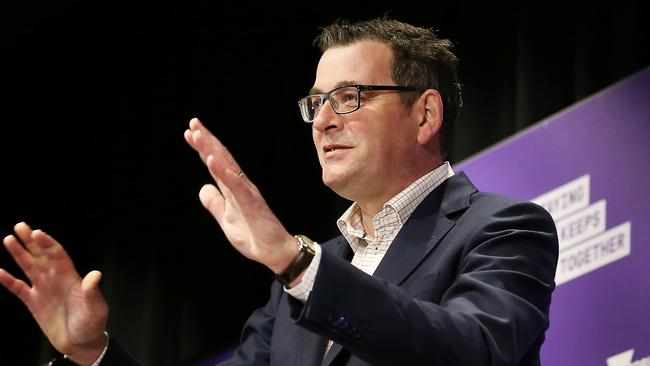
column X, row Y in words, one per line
column 327, row 119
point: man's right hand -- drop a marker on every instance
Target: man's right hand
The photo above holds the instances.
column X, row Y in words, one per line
column 70, row 310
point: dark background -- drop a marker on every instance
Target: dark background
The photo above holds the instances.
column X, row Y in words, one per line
column 95, row 98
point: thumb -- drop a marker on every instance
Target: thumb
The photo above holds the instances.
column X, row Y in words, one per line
column 90, row 287
column 213, row 201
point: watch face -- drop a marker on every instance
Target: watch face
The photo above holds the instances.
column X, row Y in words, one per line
column 305, row 244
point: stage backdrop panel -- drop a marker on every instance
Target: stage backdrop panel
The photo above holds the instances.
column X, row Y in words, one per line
column 588, row 166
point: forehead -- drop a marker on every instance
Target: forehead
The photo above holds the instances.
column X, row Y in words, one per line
column 364, row 62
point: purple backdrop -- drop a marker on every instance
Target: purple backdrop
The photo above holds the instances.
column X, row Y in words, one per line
column 587, row 165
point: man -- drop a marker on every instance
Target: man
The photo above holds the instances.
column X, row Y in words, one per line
column 428, row 271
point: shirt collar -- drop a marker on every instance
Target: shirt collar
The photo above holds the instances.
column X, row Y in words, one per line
column 402, row 205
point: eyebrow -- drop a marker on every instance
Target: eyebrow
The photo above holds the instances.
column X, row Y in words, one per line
column 338, row 85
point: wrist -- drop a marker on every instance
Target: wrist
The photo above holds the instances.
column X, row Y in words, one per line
column 285, row 254
column 292, row 273
column 91, row 353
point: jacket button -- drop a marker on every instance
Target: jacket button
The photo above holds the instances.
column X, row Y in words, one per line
column 339, row 322
column 342, row 323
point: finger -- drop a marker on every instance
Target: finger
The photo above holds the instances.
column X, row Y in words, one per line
column 238, row 191
column 24, row 234
column 90, row 288
column 187, row 134
column 213, row 201
column 221, row 164
column 23, row 231
column 227, row 180
column 15, row 286
column 206, row 143
column 47, row 243
column 188, row 138
column 196, row 124
column 234, row 185
column 54, row 253
column 90, row 282
column 22, row 257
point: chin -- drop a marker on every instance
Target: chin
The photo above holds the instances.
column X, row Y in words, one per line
column 332, row 179
column 341, row 184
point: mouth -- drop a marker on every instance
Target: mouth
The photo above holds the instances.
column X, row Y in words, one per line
column 330, row 148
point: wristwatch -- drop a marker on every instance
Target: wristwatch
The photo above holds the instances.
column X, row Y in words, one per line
column 306, row 253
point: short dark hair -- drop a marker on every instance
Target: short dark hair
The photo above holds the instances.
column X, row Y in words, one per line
column 420, row 59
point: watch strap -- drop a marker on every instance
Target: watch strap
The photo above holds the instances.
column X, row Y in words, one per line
column 300, row 263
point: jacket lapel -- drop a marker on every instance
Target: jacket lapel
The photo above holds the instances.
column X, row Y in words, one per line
column 426, row 226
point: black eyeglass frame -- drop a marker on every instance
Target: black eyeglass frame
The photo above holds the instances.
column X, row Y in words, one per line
column 302, row 103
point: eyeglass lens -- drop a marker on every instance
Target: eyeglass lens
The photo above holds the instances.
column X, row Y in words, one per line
column 343, row 100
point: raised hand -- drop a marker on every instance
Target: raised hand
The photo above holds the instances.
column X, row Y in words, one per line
column 70, row 310
column 237, row 205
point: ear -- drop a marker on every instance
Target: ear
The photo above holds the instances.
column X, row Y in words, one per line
column 430, row 115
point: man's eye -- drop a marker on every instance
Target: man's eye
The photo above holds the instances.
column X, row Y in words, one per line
column 349, row 98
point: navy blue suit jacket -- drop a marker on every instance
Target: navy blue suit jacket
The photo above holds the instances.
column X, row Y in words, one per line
column 467, row 281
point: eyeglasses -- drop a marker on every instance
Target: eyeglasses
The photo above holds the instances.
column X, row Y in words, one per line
column 345, row 99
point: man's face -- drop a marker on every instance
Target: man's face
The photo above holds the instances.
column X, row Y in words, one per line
column 364, row 154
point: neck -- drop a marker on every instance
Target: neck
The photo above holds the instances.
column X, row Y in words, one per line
column 366, row 220
column 369, row 207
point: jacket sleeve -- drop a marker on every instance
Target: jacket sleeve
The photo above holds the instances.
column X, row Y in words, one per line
column 254, row 349
column 492, row 313
column 117, row 356
column 255, row 342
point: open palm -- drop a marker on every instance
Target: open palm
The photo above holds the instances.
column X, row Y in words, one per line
column 70, row 310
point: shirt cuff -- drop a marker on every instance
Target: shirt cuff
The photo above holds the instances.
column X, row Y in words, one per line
column 303, row 289
column 96, row 363
column 101, row 357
